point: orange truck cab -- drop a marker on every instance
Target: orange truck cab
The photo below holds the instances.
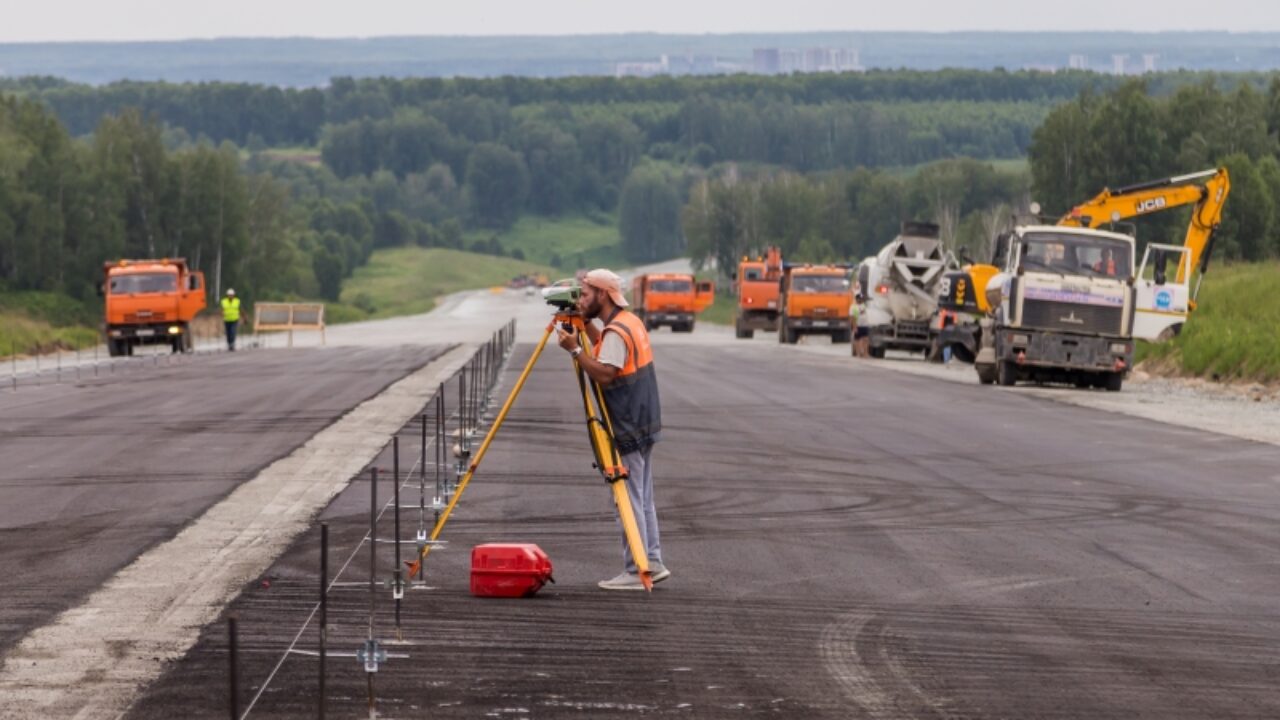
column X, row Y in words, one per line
column 672, row 299
column 815, row 300
column 757, row 285
column 150, row 302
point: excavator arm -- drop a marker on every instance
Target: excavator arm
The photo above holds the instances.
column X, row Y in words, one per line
column 1207, row 190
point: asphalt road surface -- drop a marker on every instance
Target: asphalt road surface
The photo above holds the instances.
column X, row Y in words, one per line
column 846, row 542
column 93, row 473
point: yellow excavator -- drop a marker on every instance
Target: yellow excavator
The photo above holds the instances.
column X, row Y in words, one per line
column 1145, row 198
column 1161, row 305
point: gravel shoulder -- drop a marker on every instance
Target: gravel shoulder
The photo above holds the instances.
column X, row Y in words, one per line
column 1251, row 412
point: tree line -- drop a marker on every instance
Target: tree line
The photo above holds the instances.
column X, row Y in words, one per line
column 846, row 215
column 1131, row 134
column 296, row 116
column 67, row 205
column 717, row 166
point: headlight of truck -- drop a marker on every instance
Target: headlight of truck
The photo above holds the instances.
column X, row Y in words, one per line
column 1119, row 348
column 1021, row 339
column 174, row 330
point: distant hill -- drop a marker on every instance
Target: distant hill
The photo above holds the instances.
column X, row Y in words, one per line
column 307, row 62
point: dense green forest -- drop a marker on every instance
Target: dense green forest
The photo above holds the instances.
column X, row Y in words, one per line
column 1099, row 139
column 284, row 193
column 1128, row 135
column 288, row 116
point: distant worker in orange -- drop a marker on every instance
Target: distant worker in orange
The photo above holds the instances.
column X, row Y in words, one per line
column 623, row 366
column 1107, row 264
column 231, row 317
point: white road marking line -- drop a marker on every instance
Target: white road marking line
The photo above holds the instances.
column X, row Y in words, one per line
column 92, row 660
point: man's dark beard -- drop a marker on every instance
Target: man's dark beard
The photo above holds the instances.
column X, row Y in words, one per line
column 592, row 311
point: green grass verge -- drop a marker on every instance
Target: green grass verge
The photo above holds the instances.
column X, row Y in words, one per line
column 576, row 241
column 408, row 280
column 32, row 322
column 1234, row 333
column 301, row 155
column 722, row 311
column 1004, row 165
column 21, row 335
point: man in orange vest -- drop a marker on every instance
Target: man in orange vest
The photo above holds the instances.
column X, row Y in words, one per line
column 622, row 364
column 1107, row 264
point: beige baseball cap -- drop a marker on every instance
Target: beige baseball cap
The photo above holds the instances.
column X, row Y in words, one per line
column 608, row 281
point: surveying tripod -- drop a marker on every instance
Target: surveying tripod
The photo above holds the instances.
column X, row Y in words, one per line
column 599, row 429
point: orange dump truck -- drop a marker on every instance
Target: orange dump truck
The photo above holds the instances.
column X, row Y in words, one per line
column 757, row 285
column 672, row 299
column 150, row 302
column 814, row 300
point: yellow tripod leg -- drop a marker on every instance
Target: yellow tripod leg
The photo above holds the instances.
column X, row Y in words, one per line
column 484, row 447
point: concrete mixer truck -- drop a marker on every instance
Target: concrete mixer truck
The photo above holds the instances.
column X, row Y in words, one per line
column 900, row 285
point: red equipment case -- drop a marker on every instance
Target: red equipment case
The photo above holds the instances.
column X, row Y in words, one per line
column 509, row 570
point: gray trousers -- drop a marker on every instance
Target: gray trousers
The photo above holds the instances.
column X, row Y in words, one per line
column 640, row 487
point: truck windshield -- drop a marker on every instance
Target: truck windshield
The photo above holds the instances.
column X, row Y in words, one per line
column 671, row 286
column 1071, row 254
column 144, row 283
column 820, row 283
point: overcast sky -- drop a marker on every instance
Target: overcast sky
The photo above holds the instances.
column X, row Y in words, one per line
column 40, row 20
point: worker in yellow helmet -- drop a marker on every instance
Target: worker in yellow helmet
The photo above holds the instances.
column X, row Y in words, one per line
column 231, row 317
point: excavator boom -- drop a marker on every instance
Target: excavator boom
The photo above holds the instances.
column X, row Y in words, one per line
column 1206, row 190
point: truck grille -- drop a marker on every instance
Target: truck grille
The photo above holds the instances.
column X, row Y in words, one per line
column 1072, row 317
column 913, row 330
column 145, row 317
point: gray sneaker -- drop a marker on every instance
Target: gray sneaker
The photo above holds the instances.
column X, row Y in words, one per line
column 658, row 572
column 625, row 581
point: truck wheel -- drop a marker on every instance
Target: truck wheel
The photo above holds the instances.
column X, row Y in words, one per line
column 877, row 353
column 1083, row 381
column 840, row 336
column 115, row 348
column 1114, row 381
column 1007, row 373
column 744, row 333
column 986, row 373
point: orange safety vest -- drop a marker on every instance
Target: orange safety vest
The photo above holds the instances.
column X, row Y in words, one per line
column 632, row 397
column 1111, row 266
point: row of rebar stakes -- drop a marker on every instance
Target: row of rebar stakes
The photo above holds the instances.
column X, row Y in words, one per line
column 476, row 381
column 112, row 362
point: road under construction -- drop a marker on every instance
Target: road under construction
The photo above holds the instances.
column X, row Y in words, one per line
column 845, row 540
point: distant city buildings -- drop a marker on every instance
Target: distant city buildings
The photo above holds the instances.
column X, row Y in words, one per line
column 784, row 61
column 688, row 64
column 774, row 61
column 765, row 61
